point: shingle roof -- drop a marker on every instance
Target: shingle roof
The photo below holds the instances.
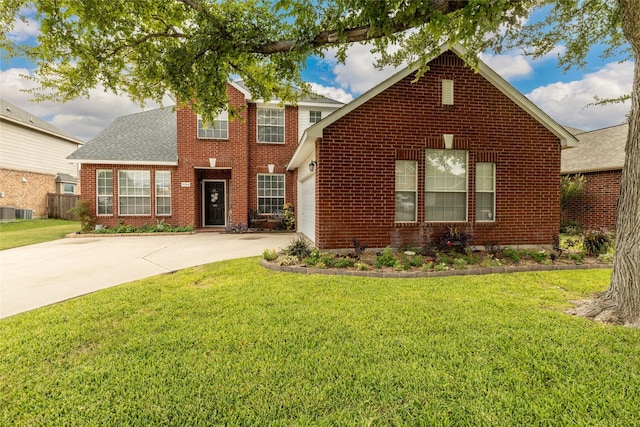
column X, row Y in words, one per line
column 17, row 115
column 597, row 150
column 312, row 98
column 149, row 137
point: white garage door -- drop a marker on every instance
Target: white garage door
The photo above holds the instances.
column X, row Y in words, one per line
column 307, row 207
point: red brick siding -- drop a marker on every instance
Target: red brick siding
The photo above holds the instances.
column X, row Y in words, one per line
column 239, row 159
column 596, row 207
column 356, row 162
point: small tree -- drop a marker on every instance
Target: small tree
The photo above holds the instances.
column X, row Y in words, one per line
column 83, row 213
column 571, row 187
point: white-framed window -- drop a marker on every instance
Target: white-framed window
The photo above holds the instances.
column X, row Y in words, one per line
column 315, row 116
column 134, row 192
column 446, row 186
column 270, row 193
column 68, row 188
column 104, row 192
column 271, row 125
column 219, row 129
column 485, row 192
column 163, row 193
column 406, row 190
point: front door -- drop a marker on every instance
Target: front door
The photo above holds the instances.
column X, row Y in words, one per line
column 214, row 205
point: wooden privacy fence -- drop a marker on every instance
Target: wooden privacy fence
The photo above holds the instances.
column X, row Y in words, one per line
column 59, row 205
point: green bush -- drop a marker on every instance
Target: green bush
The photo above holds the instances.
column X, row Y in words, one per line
column 344, row 263
column 597, row 242
column 538, row 256
column 287, row 260
column 270, row 254
column 82, row 212
column 299, row 247
column 490, row 261
column 459, row 263
column 512, row 254
column 386, row 259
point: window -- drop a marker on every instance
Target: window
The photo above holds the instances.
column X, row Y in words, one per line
column 315, row 116
column 271, row 125
column 446, row 185
column 163, row 193
column 134, row 190
column 68, row 188
column 218, row 130
column 447, row 92
column 104, row 193
column 270, row 193
column 406, row 190
column 485, row 192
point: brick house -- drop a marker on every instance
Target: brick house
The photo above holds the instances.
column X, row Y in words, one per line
column 406, row 160
column 599, row 157
column 33, row 162
column 166, row 165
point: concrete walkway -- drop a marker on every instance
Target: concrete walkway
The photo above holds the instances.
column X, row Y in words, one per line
column 38, row 275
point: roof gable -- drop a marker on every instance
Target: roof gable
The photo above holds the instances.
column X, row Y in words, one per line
column 306, row 146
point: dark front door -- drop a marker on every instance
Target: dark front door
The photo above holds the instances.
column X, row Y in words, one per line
column 214, row 204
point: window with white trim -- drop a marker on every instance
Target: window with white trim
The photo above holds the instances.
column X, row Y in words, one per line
column 315, row 116
column 446, row 186
column 163, row 193
column 219, row 129
column 485, row 192
column 134, row 192
column 68, row 188
column 271, row 125
column 104, row 192
column 270, row 193
column 406, row 190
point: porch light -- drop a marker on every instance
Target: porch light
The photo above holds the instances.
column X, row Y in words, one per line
column 312, row 165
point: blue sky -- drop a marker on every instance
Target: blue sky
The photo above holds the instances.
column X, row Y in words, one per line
column 562, row 96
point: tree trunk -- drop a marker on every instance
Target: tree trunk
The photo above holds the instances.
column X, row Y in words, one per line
column 621, row 302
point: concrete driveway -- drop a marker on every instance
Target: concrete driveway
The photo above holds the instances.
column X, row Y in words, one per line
column 38, row 275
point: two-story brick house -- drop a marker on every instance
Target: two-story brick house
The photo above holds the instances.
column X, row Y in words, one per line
column 165, row 165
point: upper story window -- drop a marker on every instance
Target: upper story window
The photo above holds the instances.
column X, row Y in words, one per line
column 219, row 129
column 68, row 188
column 315, row 116
column 446, row 185
column 271, row 125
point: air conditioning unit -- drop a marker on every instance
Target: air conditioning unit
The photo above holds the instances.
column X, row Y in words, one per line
column 7, row 213
column 24, row 214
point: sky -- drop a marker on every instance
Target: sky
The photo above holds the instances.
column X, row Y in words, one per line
column 563, row 96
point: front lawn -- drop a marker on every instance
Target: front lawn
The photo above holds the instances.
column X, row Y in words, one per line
column 29, row 232
column 234, row 344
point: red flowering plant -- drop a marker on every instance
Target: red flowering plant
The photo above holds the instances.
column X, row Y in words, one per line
column 455, row 240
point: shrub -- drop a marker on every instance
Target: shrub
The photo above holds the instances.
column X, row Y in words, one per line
column 326, row 260
column 454, row 239
column 538, row 256
column 490, row 261
column 286, row 260
column 361, row 266
column 270, row 254
column 492, row 247
column 440, row 267
column 344, row 263
column 459, row 263
column 82, row 212
column 313, row 258
column 512, row 254
column 299, row 247
column 597, row 242
column 577, row 257
column 386, row 259
column 359, row 247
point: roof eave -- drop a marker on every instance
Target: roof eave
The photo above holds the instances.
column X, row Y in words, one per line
column 122, row 162
column 39, row 129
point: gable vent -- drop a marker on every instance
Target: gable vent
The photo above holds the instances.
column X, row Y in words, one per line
column 447, row 92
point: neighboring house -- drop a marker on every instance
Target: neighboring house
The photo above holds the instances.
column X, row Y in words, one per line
column 165, row 165
column 408, row 159
column 33, row 160
column 599, row 157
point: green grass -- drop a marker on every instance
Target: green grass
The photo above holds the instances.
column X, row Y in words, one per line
column 29, row 232
column 233, row 344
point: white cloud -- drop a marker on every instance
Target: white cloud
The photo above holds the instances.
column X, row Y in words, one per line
column 565, row 102
column 331, row 92
column 514, row 65
column 23, row 30
column 82, row 118
column 358, row 74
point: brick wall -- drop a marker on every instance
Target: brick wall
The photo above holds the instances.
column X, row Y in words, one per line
column 356, row 162
column 596, row 207
column 29, row 195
